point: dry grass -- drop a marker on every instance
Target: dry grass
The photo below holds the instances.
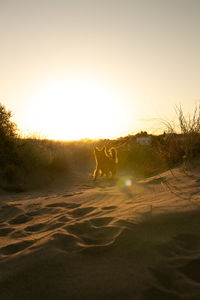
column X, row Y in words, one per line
column 183, row 143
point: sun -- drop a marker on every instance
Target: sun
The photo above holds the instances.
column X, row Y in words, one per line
column 77, row 108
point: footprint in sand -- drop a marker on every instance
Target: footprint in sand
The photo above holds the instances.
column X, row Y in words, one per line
column 125, row 223
column 108, row 207
column 64, row 219
column 71, row 194
column 18, row 234
column 5, row 231
column 79, row 212
column 55, row 225
column 91, row 235
column 42, row 211
column 64, row 241
column 21, row 219
column 80, row 228
column 65, row 205
column 101, row 221
column 67, row 195
column 35, row 227
column 8, row 211
column 14, row 248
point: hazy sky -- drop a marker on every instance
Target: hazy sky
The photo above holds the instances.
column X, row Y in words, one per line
column 143, row 53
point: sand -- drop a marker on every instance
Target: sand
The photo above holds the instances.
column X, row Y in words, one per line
column 121, row 239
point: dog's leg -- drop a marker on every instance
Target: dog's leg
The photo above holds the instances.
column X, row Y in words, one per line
column 95, row 174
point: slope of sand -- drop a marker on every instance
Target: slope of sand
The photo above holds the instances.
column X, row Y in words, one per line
column 127, row 239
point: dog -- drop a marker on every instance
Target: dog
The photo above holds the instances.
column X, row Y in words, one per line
column 106, row 162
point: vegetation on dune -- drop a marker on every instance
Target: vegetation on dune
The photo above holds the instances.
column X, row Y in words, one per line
column 31, row 162
column 183, row 141
column 26, row 162
column 8, row 134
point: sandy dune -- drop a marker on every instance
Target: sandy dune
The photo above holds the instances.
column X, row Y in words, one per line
column 127, row 239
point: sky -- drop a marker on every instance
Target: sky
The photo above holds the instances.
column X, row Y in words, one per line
column 92, row 69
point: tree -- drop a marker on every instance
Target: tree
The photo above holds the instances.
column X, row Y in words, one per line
column 8, row 134
column 8, row 129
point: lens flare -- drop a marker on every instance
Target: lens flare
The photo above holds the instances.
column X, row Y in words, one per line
column 125, row 182
column 128, row 182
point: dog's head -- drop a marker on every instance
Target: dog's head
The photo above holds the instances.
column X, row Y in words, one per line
column 99, row 153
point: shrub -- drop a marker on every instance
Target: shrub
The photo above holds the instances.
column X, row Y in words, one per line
column 8, row 134
column 183, row 141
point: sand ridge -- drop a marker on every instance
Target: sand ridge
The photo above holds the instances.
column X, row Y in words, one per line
column 122, row 239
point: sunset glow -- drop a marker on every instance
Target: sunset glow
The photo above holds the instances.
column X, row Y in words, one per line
column 77, row 108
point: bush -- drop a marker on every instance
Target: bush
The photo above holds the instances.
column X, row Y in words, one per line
column 8, row 129
column 183, row 142
column 143, row 160
column 26, row 162
column 8, row 134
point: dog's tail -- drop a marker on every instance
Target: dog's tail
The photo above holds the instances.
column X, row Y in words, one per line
column 113, row 152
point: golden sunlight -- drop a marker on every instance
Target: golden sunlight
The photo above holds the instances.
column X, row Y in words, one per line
column 78, row 108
